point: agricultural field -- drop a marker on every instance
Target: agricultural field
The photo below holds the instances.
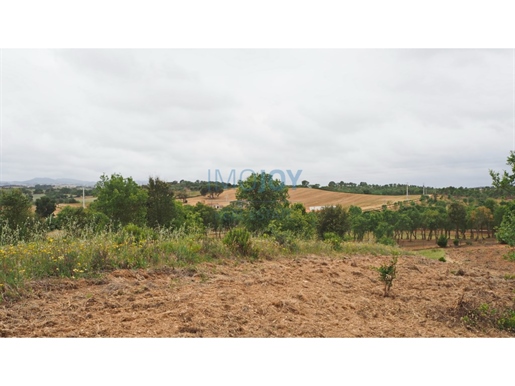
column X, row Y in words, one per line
column 87, row 199
column 313, row 197
column 304, row 295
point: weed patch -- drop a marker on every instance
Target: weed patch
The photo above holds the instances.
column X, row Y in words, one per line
column 435, row 254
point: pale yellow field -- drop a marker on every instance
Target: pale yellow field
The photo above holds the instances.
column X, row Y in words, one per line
column 314, row 197
column 88, row 199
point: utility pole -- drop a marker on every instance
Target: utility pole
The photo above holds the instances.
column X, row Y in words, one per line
column 83, row 198
column 407, row 193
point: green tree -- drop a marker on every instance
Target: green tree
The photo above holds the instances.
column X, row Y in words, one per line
column 334, row 219
column 359, row 226
column 501, row 211
column 121, row 199
column 432, row 221
column 230, row 217
column 457, row 216
column 506, row 232
column 481, row 218
column 506, row 181
column 263, row 197
column 15, row 208
column 80, row 221
column 209, row 216
column 403, row 224
column 383, row 229
column 491, row 204
column 161, row 208
column 45, row 206
column 212, row 189
column 182, row 194
column 295, row 221
column 193, row 221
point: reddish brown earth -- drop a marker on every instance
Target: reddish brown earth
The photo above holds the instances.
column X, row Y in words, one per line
column 307, row 296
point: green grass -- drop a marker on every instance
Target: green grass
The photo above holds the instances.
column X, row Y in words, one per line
column 488, row 316
column 433, row 253
column 61, row 254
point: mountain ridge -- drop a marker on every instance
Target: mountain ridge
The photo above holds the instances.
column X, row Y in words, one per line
column 49, row 181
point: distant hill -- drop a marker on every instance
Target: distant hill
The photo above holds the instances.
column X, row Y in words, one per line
column 49, row 181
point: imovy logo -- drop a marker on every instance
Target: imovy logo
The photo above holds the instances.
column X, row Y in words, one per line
column 283, row 176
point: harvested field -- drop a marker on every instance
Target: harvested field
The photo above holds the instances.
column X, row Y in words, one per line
column 312, row 197
column 306, row 296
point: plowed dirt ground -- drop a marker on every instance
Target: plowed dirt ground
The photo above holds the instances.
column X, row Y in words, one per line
column 307, row 296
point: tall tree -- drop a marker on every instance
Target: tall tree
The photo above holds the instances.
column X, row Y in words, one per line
column 45, row 206
column 161, row 208
column 333, row 219
column 15, row 207
column 506, row 182
column 121, row 199
column 482, row 217
column 458, row 216
column 263, row 197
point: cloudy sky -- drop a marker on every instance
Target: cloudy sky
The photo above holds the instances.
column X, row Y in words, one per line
column 423, row 116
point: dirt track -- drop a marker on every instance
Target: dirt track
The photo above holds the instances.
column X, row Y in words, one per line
column 308, row 296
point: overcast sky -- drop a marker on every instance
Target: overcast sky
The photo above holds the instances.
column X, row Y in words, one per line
column 433, row 117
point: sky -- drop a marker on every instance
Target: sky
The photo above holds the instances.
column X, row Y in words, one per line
column 439, row 117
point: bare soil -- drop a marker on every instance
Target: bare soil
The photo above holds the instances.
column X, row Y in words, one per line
column 306, row 296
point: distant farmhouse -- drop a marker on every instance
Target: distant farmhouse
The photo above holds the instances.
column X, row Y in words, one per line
column 317, row 208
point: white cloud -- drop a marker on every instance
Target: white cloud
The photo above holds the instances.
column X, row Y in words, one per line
column 439, row 117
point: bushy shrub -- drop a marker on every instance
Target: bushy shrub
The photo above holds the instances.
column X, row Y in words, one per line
column 134, row 233
column 506, row 232
column 334, row 240
column 238, row 240
column 80, row 222
column 333, row 219
column 287, row 240
column 442, row 241
column 456, row 242
column 507, row 321
column 387, row 273
column 31, row 230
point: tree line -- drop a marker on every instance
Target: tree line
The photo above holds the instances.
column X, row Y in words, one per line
column 449, row 192
column 262, row 207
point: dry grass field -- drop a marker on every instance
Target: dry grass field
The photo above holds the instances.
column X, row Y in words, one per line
column 303, row 296
column 88, row 200
column 313, row 197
